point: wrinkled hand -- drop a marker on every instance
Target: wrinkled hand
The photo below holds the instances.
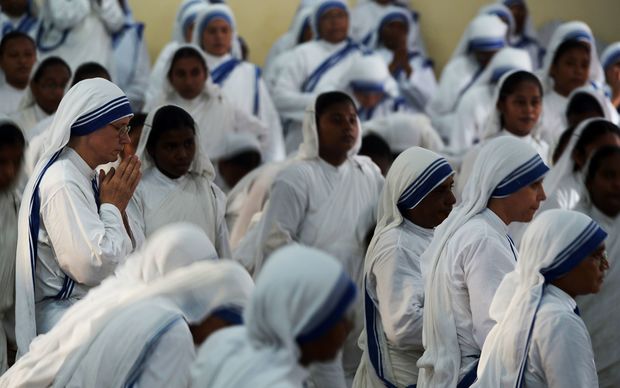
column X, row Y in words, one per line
column 117, row 186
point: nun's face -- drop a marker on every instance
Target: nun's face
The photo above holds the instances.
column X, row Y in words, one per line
column 523, row 204
column 50, row 88
column 217, row 37
column 604, row 187
column 106, row 144
column 587, row 276
column 435, row 207
column 11, row 158
column 16, row 61
column 570, row 70
column 394, row 35
column 174, row 152
column 338, row 129
column 334, row 25
column 188, row 76
column 521, row 109
column 326, row 347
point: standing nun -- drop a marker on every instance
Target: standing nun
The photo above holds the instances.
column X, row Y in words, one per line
column 177, row 183
column 240, row 81
column 298, row 315
column 539, row 339
column 172, row 247
column 470, row 253
column 416, row 197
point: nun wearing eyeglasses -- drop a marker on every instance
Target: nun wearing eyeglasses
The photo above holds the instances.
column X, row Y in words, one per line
column 73, row 230
column 539, row 339
column 417, row 196
column 298, row 315
column 470, row 253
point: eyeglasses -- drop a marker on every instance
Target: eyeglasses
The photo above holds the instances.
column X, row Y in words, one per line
column 124, row 130
column 602, row 258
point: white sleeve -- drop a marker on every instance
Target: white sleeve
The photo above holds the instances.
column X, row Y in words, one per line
column 464, row 129
column 65, row 14
column 111, row 14
column 169, row 364
column 88, row 245
column 222, row 239
column 400, row 292
column 561, row 345
column 288, row 98
column 487, row 262
column 269, row 115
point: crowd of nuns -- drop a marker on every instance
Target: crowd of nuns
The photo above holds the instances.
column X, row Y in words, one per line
column 339, row 218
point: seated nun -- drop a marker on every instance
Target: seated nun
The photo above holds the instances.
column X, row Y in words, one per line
column 570, row 62
column 610, row 60
column 177, row 182
column 150, row 339
column 12, row 144
column 417, row 197
column 188, row 85
column 485, row 35
column 470, row 253
column 564, row 184
column 517, row 107
column 170, row 248
column 18, row 54
column 240, row 81
column 47, row 86
column 19, row 16
column 539, row 339
column 239, row 155
column 314, row 67
column 298, row 315
column 477, row 102
column 394, row 28
column 600, row 310
column 64, row 198
column 373, row 89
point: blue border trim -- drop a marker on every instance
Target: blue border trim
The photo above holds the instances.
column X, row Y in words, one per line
column 527, row 173
column 613, row 58
column 427, row 181
column 232, row 314
column 486, row 44
column 102, row 116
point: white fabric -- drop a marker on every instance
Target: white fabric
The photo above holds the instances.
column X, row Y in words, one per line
column 123, row 335
column 528, row 39
column 289, row 40
column 553, row 121
column 461, row 70
column 28, row 22
column 293, row 293
column 174, row 246
column 67, row 206
column 476, row 104
column 10, row 97
column 600, row 310
column 393, row 277
column 539, row 340
column 80, row 30
column 452, row 328
column 160, row 200
column 214, row 114
column 244, row 84
column 609, row 111
column 403, row 130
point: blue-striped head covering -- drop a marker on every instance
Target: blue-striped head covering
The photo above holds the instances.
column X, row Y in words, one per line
column 395, row 16
column 213, row 12
column 431, row 177
column 101, row 116
column 528, row 172
column 611, row 55
column 321, row 9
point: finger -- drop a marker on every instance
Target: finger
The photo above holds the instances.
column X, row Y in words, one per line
column 108, row 177
column 132, row 166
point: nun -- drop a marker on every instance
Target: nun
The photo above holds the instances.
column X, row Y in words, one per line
column 18, row 54
column 610, row 60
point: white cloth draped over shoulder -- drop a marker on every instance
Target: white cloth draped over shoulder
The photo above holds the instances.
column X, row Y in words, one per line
column 485, row 32
column 213, row 112
column 125, row 344
column 539, row 339
column 240, row 81
column 299, row 296
column 504, row 166
column 476, row 103
column 600, row 310
column 554, row 105
column 172, row 247
column 99, row 239
column 194, row 197
column 80, row 31
column 393, row 284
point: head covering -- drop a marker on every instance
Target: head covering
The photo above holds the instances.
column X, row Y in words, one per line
column 291, row 38
column 389, row 14
column 505, row 60
column 553, row 245
column 577, row 31
column 371, row 74
column 402, row 130
column 309, row 148
column 186, row 15
column 502, row 12
column 191, row 294
column 504, row 166
column 485, row 32
column 611, row 55
column 300, row 294
column 413, row 175
column 529, row 31
column 599, row 96
column 319, row 9
column 201, row 164
column 88, row 106
column 206, row 16
column 565, row 166
column 173, row 246
column 493, row 124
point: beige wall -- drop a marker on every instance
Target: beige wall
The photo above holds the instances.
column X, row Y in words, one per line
column 443, row 21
